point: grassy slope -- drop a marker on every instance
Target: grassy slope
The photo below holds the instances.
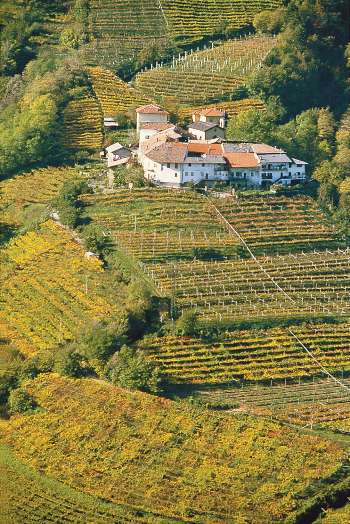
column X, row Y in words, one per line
column 27, row 496
column 49, row 290
column 208, row 75
column 171, row 458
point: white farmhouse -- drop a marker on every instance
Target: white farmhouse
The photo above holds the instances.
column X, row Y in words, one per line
column 250, row 165
column 174, row 164
column 151, row 114
column 167, row 160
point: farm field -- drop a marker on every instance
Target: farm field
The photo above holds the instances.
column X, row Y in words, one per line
column 314, row 284
column 320, row 402
column 251, row 356
column 162, row 228
column 232, row 108
column 208, row 75
column 336, row 516
column 114, row 95
column 169, row 462
column 280, row 225
column 39, row 186
column 46, row 277
column 82, row 126
column 158, row 225
column 27, row 497
column 195, row 19
column 121, row 29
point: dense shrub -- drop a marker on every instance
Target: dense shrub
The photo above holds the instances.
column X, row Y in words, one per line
column 20, row 401
column 131, row 370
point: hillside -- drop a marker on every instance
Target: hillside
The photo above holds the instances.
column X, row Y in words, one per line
column 209, row 75
column 121, row 30
column 49, row 290
column 33, row 190
column 27, row 496
column 178, row 461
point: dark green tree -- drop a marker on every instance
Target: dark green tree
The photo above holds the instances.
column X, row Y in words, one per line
column 130, row 369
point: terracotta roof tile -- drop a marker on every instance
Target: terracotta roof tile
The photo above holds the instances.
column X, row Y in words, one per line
column 151, row 109
column 242, row 159
column 211, row 112
column 173, row 152
column 205, row 148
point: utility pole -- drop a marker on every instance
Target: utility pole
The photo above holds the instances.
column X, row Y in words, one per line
column 173, row 294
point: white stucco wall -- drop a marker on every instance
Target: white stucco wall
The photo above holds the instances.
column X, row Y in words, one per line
column 216, row 132
column 147, row 118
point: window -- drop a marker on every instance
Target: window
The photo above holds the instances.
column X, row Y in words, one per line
column 206, row 176
column 175, row 175
column 168, row 166
column 191, row 174
column 186, row 173
column 189, row 165
column 162, row 167
column 176, row 166
column 203, row 165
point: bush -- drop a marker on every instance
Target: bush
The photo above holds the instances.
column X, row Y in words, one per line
column 20, row 401
column 187, row 325
column 202, row 253
column 131, row 370
column 102, row 340
column 69, row 362
column 96, row 240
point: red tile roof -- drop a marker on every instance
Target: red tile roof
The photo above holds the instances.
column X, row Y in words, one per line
column 242, row 159
column 211, row 111
column 205, row 148
column 151, row 109
column 172, row 152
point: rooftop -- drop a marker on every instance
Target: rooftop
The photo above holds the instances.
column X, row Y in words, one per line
column 242, row 159
column 202, row 126
column 280, row 158
column 172, row 152
column 301, row 162
column 114, row 147
column 151, row 109
column 212, row 111
column 265, row 149
column 204, row 148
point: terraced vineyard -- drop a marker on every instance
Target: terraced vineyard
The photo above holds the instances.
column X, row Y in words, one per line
column 316, row 284
column 280, row 225
column 164, row 462
column 44, row 277
column 114, row 95
column 335, row 516
column 209, row 75
column 162, row 228
column 122, row 28
column 39, row 186
column 324, row 403
column 232, row 108
column 254, row 355
column 27, row 497
column 160, row 225
column 82, row 127
column 195, row 19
